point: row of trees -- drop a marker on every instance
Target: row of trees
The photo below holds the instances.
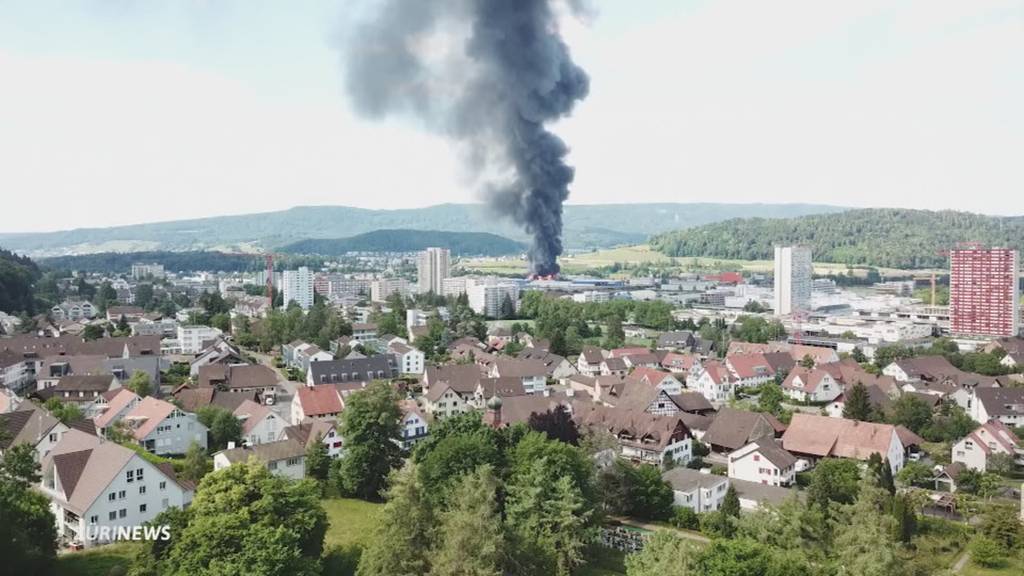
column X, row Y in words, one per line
column 949, row 422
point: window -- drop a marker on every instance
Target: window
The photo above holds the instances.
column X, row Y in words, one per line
column 293, row 462
column 757, row 457
column 138, row 474
column 142, row 489
column 53, row 437
column 94, row 519
column 165, row 503
column 122, row 494
column 130, row 476
column 112, row 516
column 142, row 507
column 122, row 512
column 272, row 466
column 111, row 497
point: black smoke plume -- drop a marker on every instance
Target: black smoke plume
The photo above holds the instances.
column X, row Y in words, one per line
column 489, row 74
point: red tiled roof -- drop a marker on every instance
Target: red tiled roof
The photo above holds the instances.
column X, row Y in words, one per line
column 319, row 400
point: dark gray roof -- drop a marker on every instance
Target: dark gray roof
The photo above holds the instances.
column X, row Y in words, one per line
column 685, row 479
column 1001, row 401
column 333, row 371
column 734, row 429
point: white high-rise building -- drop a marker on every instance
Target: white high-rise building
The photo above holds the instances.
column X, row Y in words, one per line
column 381, row 288
column 298, row 287
column 793, row 279
column 487, row 294
column 433, row 267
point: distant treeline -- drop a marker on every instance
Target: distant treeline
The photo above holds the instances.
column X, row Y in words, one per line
column 121, row 262
column 460, row 243
column 894, row 238
column 17, row 275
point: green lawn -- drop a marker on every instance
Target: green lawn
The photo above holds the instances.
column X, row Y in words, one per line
column 1012, row 567
column 352, row 523
column 605, row 562
column 100, row 561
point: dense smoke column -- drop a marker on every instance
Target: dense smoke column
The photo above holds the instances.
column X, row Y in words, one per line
column 494, row 93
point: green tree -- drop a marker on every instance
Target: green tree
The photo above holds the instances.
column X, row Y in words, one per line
column 92, row 332
column 144, row 296
column 471, row 532
column 770, row 399
column 910, row 412
column 223, row 427
column 508, row 307
column 221, row 321
column 1002, row 525
column 637, row 491
column 731, row 503
column 404, row 531
column 863, row 544
column 66, row 412
column 664, row 554
column 906, row 518
column 986, row 552
column 28, row 535
column 834, row 480
column 858, row 355
column 139, row 384
column 371, row 430
column 195, row 465
column 318, row 461
column 915, row 474
column 615, row 336
column 858, row 404
column 246, row 520
column 807, row 361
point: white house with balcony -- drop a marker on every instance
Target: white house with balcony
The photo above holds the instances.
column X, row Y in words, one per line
column 697, row 490
column 96, row 486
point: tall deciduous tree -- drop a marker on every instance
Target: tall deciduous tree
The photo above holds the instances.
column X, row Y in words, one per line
column 471, row 533
column 370, row 428
column 404, row 532
column 245, row 520
column 28, row 536
column 139, row 383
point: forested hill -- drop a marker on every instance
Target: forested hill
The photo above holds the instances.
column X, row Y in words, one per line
column 17, row 274
column 894, row 238
column 460, row 243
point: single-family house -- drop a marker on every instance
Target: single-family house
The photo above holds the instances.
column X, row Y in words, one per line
column 95, row 486
column 643, row 437
column 259, row 423
column 992, row 437
column 320, row 402
column 590, row 360
column 111, row 407
column 410, row 360
column 716, row 382
column 532, row 373
column 285, row 458
column 308, row 432
column 733, row 429
column 162, row 428
column 1003, row 404
column 31, row 425
column 558, row 367
column 697, row 490
column 763, row 461
column 414, row 424
column 812, row 437
column 811, row 385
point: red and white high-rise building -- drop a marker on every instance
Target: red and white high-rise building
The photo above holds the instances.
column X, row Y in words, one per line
column 984, row 299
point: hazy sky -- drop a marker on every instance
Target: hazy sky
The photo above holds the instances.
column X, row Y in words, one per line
column 118, row 112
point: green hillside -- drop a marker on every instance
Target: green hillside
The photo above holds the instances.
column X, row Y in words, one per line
column 460, row 243
column 17, row 274
column 586, row 226
column 895, row 238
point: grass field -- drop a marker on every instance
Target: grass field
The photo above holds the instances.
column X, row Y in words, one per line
column 1012, row 567
column 351, row 526
column 101, row 561
column 642, row 254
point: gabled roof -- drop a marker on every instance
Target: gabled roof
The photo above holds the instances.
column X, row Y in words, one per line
column 592, row 355
column 319, row 400
column 810, row 378
column 463, row 378
column 927, row 367
column 119, row 400
column 650, row 376
column 998, row 431
column 687, row 480
column 678, row 362
column 307, row 432
column 89, row 463
column 632, row 426
column 746, row 366
column 84, row 383
column 27, row 425
column 732, row 429
column 718, row 373
column 615, row 364
column 237, row 376
column 502, row 387
column 266, row 452
column 1001, row 401
column 774, row 453
column 517, row 368
column 251, row 414
column 823, row 436
column 147, row 415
